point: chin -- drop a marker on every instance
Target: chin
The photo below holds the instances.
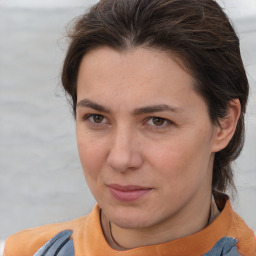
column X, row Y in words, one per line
column 130, row 223
column 131, row 218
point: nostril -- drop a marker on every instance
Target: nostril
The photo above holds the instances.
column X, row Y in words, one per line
column 122, row 160
column 118, row 161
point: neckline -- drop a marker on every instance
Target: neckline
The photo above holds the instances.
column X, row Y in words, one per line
column 187, row 246
column 107, row 230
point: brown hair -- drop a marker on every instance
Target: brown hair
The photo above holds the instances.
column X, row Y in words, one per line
column 197, row 31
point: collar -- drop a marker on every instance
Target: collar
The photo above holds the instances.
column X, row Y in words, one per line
column 196, row 244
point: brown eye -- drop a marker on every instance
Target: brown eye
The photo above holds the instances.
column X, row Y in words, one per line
column 157, row 121
column 97, row 119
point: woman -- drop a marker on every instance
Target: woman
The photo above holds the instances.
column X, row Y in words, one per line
column 159, row 93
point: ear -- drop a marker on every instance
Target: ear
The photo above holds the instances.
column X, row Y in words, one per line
column 227, row 128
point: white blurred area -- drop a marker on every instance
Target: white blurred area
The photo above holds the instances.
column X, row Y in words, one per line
column 45, row 3
column 237, row 9
column 41, row 179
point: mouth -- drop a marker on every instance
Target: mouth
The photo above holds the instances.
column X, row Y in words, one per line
column 128, row 193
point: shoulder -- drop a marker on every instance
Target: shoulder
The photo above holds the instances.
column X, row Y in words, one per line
column 244, row 234
column 29, row 241
column 235, row 231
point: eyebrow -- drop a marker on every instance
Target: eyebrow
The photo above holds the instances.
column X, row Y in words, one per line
column 90, row 104
column 138, row 111
column 156, row 108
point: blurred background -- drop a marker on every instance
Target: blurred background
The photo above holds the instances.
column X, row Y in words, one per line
column 41, row 180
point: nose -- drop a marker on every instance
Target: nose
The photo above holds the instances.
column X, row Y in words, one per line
column 124, row 153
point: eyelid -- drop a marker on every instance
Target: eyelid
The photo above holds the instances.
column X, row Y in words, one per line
column 168, row 122
column 85, row 118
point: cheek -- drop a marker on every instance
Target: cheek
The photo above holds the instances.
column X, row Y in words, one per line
column 91, row 158
column 181, row 161
column 91, row 153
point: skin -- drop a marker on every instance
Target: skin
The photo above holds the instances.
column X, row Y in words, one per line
column 173, row 155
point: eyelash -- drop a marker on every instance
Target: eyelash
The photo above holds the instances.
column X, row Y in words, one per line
column 166, row 124
column 86, row 118
column 98, row 125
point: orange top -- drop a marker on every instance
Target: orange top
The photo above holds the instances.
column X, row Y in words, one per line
column 89, row 239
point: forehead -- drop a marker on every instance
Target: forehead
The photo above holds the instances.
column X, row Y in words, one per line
column 132, row 66
column 137, row 76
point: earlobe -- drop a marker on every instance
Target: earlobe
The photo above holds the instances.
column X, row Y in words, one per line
column 226, row 129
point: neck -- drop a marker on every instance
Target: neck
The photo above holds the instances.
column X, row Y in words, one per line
column 189, row 220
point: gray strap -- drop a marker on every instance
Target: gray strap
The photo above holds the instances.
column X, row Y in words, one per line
column 226, row 246
column 59, row 245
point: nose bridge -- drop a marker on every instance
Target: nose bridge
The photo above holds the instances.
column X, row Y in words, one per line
column 123, row 153
column 122, row 137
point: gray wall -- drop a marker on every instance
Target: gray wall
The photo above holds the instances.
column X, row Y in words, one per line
column 40, row 176
column 41, row 179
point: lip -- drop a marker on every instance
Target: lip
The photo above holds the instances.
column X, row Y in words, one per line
column 128, row 193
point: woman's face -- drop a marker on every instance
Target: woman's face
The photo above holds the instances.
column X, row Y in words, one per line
column 144, row 136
